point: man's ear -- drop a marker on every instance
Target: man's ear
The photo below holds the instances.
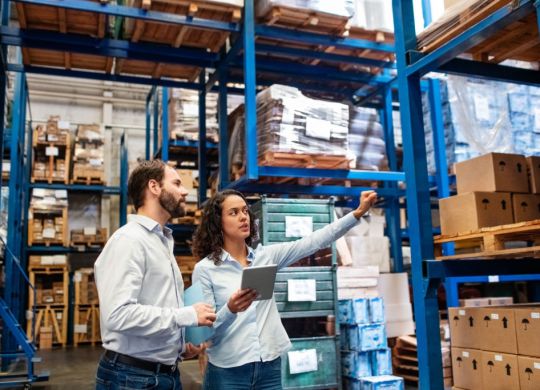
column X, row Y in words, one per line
column 154, row 187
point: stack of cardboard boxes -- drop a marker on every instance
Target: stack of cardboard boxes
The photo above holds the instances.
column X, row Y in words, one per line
column 495, row 348
column 88, row 156
column 494, row 189
column 47, row 218
column 51, row 151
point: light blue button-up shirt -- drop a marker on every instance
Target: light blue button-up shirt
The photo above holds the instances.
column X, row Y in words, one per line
column 256, row 334
column 141, row 293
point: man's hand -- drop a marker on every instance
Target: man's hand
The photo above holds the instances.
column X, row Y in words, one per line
column 206, row 315
column 193, row 350
column 241, row 300
column 367, row 200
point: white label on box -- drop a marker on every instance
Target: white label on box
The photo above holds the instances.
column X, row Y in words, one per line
column 301, row 290
column 29, row 314
column 481, row 107
column 493, row 278
column 494, row 316
column 537, row 366
column 47, row 260
column 298, row 226
column 462, row 312
column 96, row 162
column 77, row 277
column 63, row 125
column 537, row 118
column 90, row 231
column 49, row 233
column 465, row 354
column 318, row 128
column 59, row 315
column 49, row 199
column 6, row 166
column 81, row 328
column 51, row 151
column 535, row 316
column 302, row 361
column 60, row 194
column 190, row 109
column 498, row 358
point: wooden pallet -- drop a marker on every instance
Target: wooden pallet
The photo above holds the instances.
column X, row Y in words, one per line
column 88, row 180
column 298, row 160
column 518, row 41
column 86, row 328
column 67, row 60
column 40, row 155
column 177, row 36
column 491, row 242
column 85, row 287
column 50, row 316
column 33, row 240
column 41, row 17
column 304, row 20
column 157, row 69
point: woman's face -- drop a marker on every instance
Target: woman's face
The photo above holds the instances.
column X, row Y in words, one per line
column 235, row 218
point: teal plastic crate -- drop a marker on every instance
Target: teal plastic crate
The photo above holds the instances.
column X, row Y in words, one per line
column 327, row 374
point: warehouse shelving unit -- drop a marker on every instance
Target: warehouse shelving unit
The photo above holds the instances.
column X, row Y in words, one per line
column 428, row 274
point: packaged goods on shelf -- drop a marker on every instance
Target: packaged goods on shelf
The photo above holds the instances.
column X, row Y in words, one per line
column 184, row 115
column 373, row 15
column 366, row 139
column 343, row 8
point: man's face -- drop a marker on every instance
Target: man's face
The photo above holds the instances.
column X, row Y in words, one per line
column 173, row 194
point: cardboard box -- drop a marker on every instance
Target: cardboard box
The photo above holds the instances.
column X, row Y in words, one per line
column 464, row 327
column 526, row 207
column 496, row 329
column 501, row 301
column 533, row 170
column 475, row 210
column 474, row 302
column 527, row 322
column 467, row 368
column 500, row 371
column 493, row 172
column 45, row 337
column 529, row 373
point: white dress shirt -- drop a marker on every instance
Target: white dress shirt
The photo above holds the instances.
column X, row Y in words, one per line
column 141, row 293
column 256, row 334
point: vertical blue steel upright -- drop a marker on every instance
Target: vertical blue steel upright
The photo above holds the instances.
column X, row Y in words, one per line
column 148, row 116
column 156, row 123
column 248, row 36
column 223, row 135
column 418, row 201
column 165, row 124
column 203, row 170
column 123, row 179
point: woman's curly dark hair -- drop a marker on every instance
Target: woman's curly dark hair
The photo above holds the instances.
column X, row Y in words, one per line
column 208, row 238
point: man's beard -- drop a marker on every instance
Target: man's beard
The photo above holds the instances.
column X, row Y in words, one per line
column 171, row 205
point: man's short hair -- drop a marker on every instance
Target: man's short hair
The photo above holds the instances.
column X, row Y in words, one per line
column 138, row 180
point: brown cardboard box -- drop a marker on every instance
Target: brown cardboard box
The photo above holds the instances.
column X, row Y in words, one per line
column 527, row 322
column 463, row 323
column 529, row 373
column 474, row 302
column 500, row 371
column 533, row 169
column 475, row 210
column 45, row 337
column 467, row 368
column 491, row 172
column 526, row 207
column 501, row 301
column 497, row 329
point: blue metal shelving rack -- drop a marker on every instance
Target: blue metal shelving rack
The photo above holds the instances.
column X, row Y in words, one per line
column 428, row 274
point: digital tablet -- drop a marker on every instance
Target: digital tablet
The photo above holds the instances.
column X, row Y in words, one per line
column 261, row 279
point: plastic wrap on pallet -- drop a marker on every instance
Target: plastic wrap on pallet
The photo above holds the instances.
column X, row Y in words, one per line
column 373, row 15
column 336, row 7
column 381, row 362
column 366, row 139
column 43, row 198
column 184, row 115
column 290, row 122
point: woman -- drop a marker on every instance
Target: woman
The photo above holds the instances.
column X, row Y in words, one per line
column 248, row 339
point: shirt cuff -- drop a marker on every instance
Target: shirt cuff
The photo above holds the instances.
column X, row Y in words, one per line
column 187, row 316
column 227, row 313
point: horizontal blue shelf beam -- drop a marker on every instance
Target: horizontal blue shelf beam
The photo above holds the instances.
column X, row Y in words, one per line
column 191, row 144
column 320, row 39
column 60, row 249
column 508, row 74
column 305, row 53
column 136, row 13
column 470, row 38
column 254, row 187
column 442, row 269
column 331, row 173
column 78, row 187
column 496, row 278
column 101, row 76
column 49, row 40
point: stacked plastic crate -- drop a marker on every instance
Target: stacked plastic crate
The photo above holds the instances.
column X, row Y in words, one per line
column 366, row 360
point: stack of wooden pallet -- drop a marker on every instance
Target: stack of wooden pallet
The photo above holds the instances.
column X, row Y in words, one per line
column 88, row 156
column 86, row 328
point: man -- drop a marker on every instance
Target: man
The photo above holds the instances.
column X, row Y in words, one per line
column 141, row 290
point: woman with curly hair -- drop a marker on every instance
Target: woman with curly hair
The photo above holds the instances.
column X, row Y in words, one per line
column 248, row 338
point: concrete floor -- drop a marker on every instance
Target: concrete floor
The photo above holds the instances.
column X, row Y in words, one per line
column 75, row 368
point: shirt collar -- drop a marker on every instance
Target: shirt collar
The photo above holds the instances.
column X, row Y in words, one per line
column 149, row 224
column 226, row 256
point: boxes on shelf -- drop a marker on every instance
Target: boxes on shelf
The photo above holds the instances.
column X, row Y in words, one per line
column 51, row 152
column 526, row 207
column 500, row 172
column 86, row 327
column 89, row 236
column 474, row 210
column 85, row 287
column 357, row 282
column 529, row 373
column 52, row 321
column 366, row 140
column 394, row 290
column 55, row 131
column 88, row 155
column 533, row 170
